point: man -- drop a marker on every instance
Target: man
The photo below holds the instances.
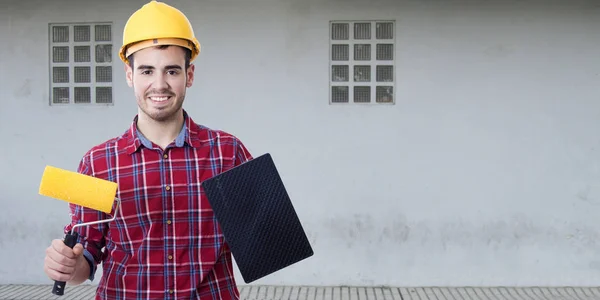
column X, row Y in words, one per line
column 165, row 242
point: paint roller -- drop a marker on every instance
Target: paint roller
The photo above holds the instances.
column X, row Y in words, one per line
column 80, row 189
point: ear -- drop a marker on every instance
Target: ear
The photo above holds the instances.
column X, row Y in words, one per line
column 129, row 75
column 190, row 75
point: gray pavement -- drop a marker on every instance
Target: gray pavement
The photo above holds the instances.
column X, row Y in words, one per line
column 83, row 292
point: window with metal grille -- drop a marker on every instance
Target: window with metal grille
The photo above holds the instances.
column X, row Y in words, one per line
column 361, row 62
column 81, row 57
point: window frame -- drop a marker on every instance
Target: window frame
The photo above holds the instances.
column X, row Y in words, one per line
column 92, row 64
column 372, row 62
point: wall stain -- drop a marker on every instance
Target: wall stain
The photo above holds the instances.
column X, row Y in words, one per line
column 25, row 90
column 354, row 230
column 584, row 195
column 595, row 265
column 510, row 233
column 398, row 232
column 312, row 237
column 498, row 51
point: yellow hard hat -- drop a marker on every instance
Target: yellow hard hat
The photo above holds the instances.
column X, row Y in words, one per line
column 157, row 23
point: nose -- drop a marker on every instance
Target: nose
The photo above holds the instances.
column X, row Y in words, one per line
column 160, row 82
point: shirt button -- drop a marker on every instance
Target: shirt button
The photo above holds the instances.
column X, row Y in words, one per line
column 170, row 257
column 170, row 291
column 167, row 187
column 169, row 222
column 165, row 155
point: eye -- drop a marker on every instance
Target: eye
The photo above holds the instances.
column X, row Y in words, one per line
column 146, row 72
column 173, row 72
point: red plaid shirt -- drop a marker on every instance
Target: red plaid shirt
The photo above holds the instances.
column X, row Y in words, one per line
column 165, row 242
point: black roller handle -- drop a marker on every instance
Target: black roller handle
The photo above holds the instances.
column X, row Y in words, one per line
column 59, row 286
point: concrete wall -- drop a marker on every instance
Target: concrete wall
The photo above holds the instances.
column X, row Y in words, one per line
column 486, row 171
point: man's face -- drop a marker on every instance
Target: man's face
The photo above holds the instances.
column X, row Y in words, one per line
column 159, row 81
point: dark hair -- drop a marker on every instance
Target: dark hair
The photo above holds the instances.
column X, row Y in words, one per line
column 188, row 55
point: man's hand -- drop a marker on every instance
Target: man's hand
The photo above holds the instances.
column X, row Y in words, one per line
column 65, row 264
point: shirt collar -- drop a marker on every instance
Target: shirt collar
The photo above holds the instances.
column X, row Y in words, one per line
column 187, row 136
column 179, row 140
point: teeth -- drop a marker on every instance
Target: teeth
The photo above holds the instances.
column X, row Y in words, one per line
column 159, row 99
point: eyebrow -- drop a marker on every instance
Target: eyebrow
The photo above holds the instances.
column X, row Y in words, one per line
column 169, row 67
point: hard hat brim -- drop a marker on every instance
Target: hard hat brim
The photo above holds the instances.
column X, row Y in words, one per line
column 127, row 50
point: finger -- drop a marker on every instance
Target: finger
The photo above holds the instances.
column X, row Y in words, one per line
column 63, row 249
column 57, row 276
column 59, row 258
column 58, row 267
column 78, row 250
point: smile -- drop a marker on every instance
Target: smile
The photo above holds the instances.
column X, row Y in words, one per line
column 160, row 99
